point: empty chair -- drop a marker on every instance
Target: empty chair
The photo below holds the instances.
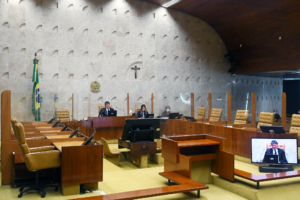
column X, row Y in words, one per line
column 266, row 119
column 241, row 117
column 295, row 126
column 14, row 121
column 36, row 160
column 112, row 155
column 201, row 113
column 216, row 114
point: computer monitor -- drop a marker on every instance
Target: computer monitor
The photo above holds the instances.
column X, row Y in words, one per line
column 274, row 152
column 149, row 116
column 74, row 133
column 56, row 124
column 276, row 129
column 142, row 130
column 112, row 113
column 65, row 128
column 175, row 115
column 89, row 139
column 192, row 119
column 51, row 120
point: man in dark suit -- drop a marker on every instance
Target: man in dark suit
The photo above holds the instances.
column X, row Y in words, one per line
column 142, row 113
column 276, row 151
column 104, row 111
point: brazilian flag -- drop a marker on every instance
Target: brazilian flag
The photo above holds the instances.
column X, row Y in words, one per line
column 36, row 96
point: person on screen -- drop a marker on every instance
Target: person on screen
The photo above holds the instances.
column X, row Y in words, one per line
column 166, row 112
column 104, row 111
column 276, row 151
column 142, row 113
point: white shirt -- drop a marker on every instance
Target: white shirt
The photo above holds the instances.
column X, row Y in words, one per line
column 275, row 152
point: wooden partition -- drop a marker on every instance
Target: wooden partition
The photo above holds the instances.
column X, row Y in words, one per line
column 209, row 104
column 127, row 104
column 253, row 104
column 229, row 109
column 192, row 105
column 152, row 98
column 283, row 109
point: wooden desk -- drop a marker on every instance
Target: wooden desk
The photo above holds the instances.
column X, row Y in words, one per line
column 196, row 156
column 80, row 165
column 106, row 127
column 56, row 136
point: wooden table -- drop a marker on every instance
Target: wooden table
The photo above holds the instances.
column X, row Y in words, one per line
column 266, row 177
column 57, row 136
column 80, row 165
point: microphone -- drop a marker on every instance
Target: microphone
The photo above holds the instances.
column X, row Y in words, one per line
column 122, row 110
column 179, row 129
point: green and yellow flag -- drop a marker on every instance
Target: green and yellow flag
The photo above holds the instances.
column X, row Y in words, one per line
column 36, row 96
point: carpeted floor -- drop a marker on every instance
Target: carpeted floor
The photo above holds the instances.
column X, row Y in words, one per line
column 127, row 177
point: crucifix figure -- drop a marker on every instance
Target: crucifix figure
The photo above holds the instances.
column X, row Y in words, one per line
column 135, row 69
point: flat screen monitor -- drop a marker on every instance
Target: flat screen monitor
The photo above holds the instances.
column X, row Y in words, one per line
column 274, row 151
column 149, row 116
column 112, row 113
column 56, row 124
column 192, row 119
column 276, row 129
column 131, row 125
column 89, row 139
column 175, row 115
column 51, row 120
column 74, row 133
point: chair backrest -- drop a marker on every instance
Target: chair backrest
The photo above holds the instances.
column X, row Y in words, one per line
column 281, row 146
column 241, row 117
column 295, row 124
column 266, row 119
column 106, row 149
column 13, row 123
column 63, row 115
column 201, row 113
column 216, row 114
column 20, row 135
column 100, row 106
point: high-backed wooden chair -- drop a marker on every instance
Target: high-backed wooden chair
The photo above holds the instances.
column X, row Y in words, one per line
column 100, row 106
column 201, row 113
column 295, row 126
column 216, row 114
column 36, row 160
column 113, row 155
column 266, row 119
column 63, row 115
column 241, row 117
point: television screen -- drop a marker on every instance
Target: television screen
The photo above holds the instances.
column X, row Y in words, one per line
column 274, row 151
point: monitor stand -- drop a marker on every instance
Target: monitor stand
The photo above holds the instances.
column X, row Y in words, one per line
column 275, row 168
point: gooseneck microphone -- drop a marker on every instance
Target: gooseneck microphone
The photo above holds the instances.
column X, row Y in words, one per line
column 179, row 129
column 122, row 110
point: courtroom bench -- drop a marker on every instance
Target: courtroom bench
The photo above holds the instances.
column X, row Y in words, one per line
column 184, row 185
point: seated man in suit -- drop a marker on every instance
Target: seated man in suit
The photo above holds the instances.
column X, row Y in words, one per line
column 276, row 151
column 142, row 113
column 104, row 111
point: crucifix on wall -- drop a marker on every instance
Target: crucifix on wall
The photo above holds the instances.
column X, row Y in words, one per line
column 135, row 69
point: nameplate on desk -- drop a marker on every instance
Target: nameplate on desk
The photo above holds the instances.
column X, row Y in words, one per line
column 145, row 148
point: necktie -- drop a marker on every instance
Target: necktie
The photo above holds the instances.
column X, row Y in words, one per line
column 275, row 152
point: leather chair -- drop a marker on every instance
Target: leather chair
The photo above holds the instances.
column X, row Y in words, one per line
column 36, row 160
column 266, row 119
column 14, row 121
column 63, row 115
column 100, row 106
column 241, row 117
column 216, row 114
column 112, row 155
column 295, row 126
column 201, row 113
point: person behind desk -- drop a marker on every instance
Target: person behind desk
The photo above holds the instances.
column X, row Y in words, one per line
column 104, row 111
column 276, row 151
column 166, row 112
column 142, row 113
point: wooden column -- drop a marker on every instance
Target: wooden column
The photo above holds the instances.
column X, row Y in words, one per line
column 72, row 106
column 6, row 157
column 283, row 109
column 253, row 104
column 192, row 105
column 127, row 104
column 152, row 110
column 89, row 106
column 229, row 115
column 209, row 104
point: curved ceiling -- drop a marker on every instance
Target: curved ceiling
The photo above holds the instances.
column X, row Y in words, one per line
column 268, row 30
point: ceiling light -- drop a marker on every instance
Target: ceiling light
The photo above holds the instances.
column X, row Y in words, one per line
column 170, row 3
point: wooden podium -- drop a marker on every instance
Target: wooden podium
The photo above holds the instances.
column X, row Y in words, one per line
column 196, row 156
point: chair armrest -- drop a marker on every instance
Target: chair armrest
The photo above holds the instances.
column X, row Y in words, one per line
column 39, row 149
column 124, row 150
column 43, row 160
